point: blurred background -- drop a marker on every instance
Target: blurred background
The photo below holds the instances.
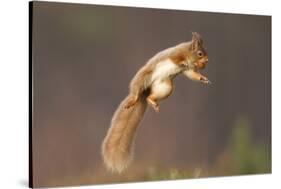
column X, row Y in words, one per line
column 84, row 57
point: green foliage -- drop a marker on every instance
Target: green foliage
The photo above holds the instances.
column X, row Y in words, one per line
column 172, row 174
column 248, row 157
column 243, row 155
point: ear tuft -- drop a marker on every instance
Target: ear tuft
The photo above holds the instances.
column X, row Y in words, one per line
column 196, row 40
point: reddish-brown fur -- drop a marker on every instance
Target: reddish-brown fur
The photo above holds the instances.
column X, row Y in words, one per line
column 179, row 57
column 148, row 87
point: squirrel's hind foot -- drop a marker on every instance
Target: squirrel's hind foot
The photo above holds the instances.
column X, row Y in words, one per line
column 131, row 102
column 153, row 104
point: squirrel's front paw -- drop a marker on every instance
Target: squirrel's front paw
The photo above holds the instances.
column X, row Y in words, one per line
column 205, row 80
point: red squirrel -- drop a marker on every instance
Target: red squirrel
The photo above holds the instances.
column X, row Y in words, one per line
column 152, row 83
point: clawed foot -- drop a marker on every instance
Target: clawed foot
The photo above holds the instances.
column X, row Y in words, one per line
column 205, row 80
column 156, row 108
column 132, row 101
column 154, row 105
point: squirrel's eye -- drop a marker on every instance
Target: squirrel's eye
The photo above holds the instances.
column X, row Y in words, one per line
column 199, row 53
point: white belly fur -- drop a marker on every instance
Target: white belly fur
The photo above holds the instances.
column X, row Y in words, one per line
column 164, row 70
column 161, row 90
column 161, row 78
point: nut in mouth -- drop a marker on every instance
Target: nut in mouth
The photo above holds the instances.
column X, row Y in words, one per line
column 200, row 64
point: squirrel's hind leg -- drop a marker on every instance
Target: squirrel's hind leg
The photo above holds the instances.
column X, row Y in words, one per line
column 136, row 88
column 153, row 103
column 159, row 91
column 131, row 102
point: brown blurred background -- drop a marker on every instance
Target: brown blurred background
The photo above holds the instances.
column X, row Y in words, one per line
column 84, row 57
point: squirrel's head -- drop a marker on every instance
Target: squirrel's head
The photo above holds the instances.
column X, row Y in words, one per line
column 198, row 55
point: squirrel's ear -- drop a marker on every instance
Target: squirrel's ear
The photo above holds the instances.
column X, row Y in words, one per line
column 196, row 41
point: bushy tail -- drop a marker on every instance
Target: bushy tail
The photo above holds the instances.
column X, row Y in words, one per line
column 117, row 147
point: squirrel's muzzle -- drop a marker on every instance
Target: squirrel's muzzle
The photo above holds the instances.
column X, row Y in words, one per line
column 201, row 64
